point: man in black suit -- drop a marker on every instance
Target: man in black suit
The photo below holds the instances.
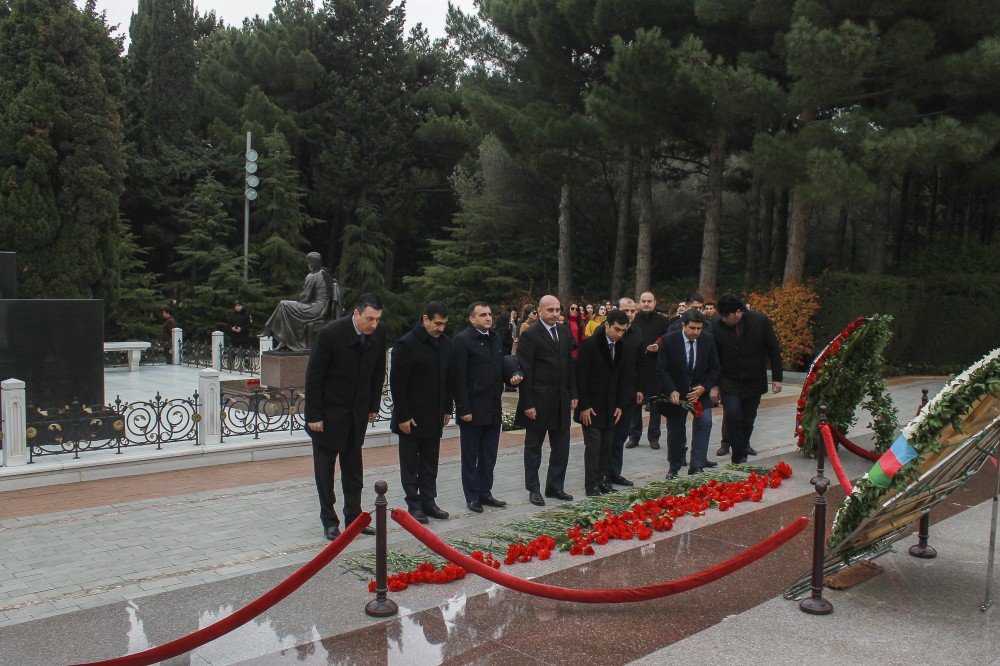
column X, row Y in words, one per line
column 632, row 348
column 689, row 367
column 745, row 341
column 343, row 391
column 421, row 407
column 478, row 379
column 651, row 326
column 603, row 393
column 546, row 397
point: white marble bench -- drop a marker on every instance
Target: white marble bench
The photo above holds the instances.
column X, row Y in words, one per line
column 134, row 349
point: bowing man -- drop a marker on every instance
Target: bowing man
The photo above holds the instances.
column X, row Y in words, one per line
column 688, row 366
column 603, row 392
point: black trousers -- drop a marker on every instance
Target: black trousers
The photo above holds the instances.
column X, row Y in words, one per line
column 738, row 416
column 596, row 454
column 558, row 459
column 418, row 468
column 351, row 479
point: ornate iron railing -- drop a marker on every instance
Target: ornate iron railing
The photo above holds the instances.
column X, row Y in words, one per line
column 78, row 428
column 262, row 411
column 242, row 360
column 198, row 354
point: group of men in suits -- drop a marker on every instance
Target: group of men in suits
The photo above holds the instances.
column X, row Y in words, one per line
column 630, row 360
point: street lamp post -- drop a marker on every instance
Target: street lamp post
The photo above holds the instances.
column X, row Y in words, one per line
column 249, row 194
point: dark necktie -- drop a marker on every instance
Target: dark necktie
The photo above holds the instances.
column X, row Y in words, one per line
column 361, row 339
column 690, row 355
column 611, row 348
column 555, row 336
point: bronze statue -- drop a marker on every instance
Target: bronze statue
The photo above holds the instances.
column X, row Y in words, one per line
column 319, row 302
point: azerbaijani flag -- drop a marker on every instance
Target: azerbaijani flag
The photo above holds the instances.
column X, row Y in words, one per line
column 891, row 461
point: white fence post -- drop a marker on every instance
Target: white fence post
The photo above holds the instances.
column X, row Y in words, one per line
column 210, row 428
column 217, row 350
column 15, row 423
column 178, row 341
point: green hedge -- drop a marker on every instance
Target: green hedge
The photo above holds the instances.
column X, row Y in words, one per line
column 939, row 324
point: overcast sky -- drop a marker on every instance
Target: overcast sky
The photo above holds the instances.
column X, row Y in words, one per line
column 429, row 12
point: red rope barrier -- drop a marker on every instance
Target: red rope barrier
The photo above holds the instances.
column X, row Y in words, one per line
column 748, row 556
column 248, row 612
column 831, row 450
column 852, row 447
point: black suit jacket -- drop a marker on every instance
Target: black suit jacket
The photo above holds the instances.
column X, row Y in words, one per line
column 651, row 327
column 549, row 383
column 744, row 356
column 477, row 376
column 600, row 382
column 344, row 382
column 673, row 365
column 420, row 382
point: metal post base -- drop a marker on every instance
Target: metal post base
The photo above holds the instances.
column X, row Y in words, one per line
column 381, row 608
column 815, row 606
column 923, row 552
column 988, row 605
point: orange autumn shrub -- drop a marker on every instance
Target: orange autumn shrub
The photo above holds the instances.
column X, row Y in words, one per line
column 791, row 307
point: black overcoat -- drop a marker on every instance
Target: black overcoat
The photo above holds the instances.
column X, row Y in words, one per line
column 420, row 383
column 600, row 381
column 477, row 376
column 744, row 355
column 651, row 327
column 344, row 382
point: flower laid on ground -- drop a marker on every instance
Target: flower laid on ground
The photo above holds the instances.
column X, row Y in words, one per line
column 591, row 527
column 849, row 371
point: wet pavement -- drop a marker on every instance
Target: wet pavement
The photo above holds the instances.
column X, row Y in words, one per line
column 96, row 570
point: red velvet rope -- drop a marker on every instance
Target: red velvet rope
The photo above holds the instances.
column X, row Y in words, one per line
column 248, row 612
column 852, row 447
column 748, row 556
column 831, row 450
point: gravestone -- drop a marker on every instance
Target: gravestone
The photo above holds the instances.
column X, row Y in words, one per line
column 56, row 347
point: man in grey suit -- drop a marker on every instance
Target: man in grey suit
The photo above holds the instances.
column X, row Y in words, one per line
column 547, row 396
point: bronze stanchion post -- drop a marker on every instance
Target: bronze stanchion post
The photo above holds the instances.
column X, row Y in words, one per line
column 922, row 550
column 815, row 604
column 381, row 605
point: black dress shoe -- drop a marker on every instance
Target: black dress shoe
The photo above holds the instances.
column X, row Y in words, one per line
column 695, row 470
column 419, row 516
column 740, row 462
column 723, row 451
column 492, row 501
column 434, row 511
column 331, row 533
column 593, row 492
column 606, row 488
column 672, row 474
column 535, row 498
column 559, row 495
column 621, row 481
column 711, row 463
column 751, row 451
column 631, row 444
column 368, row 531
column 475, row 507
column 654, row 445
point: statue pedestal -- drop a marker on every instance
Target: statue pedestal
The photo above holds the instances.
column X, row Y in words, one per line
column 284, row 369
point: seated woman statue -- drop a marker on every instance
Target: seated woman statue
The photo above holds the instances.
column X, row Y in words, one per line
column 290, row 319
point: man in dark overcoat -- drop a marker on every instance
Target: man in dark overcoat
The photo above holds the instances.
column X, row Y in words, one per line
column 689, row 368
column 546, row 398
column 746, row 342
column 344, row 381
column 603, row 394
column 651, row 326
column 421, row 407
column 478, row 371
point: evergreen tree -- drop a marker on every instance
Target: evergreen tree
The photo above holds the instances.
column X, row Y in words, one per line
column 61, row 155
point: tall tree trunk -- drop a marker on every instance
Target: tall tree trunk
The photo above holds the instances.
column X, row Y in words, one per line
column 753, row 247
column 624, row 221
column 795, row 261
column 902, row 219
column 565, row 286
column 713, row 217
column 644, row 251
column 780, row 244
column 840, row 256
column 877, row 238
column 766, row 236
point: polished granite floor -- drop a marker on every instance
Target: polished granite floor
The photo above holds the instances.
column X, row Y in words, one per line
column 475, row 622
